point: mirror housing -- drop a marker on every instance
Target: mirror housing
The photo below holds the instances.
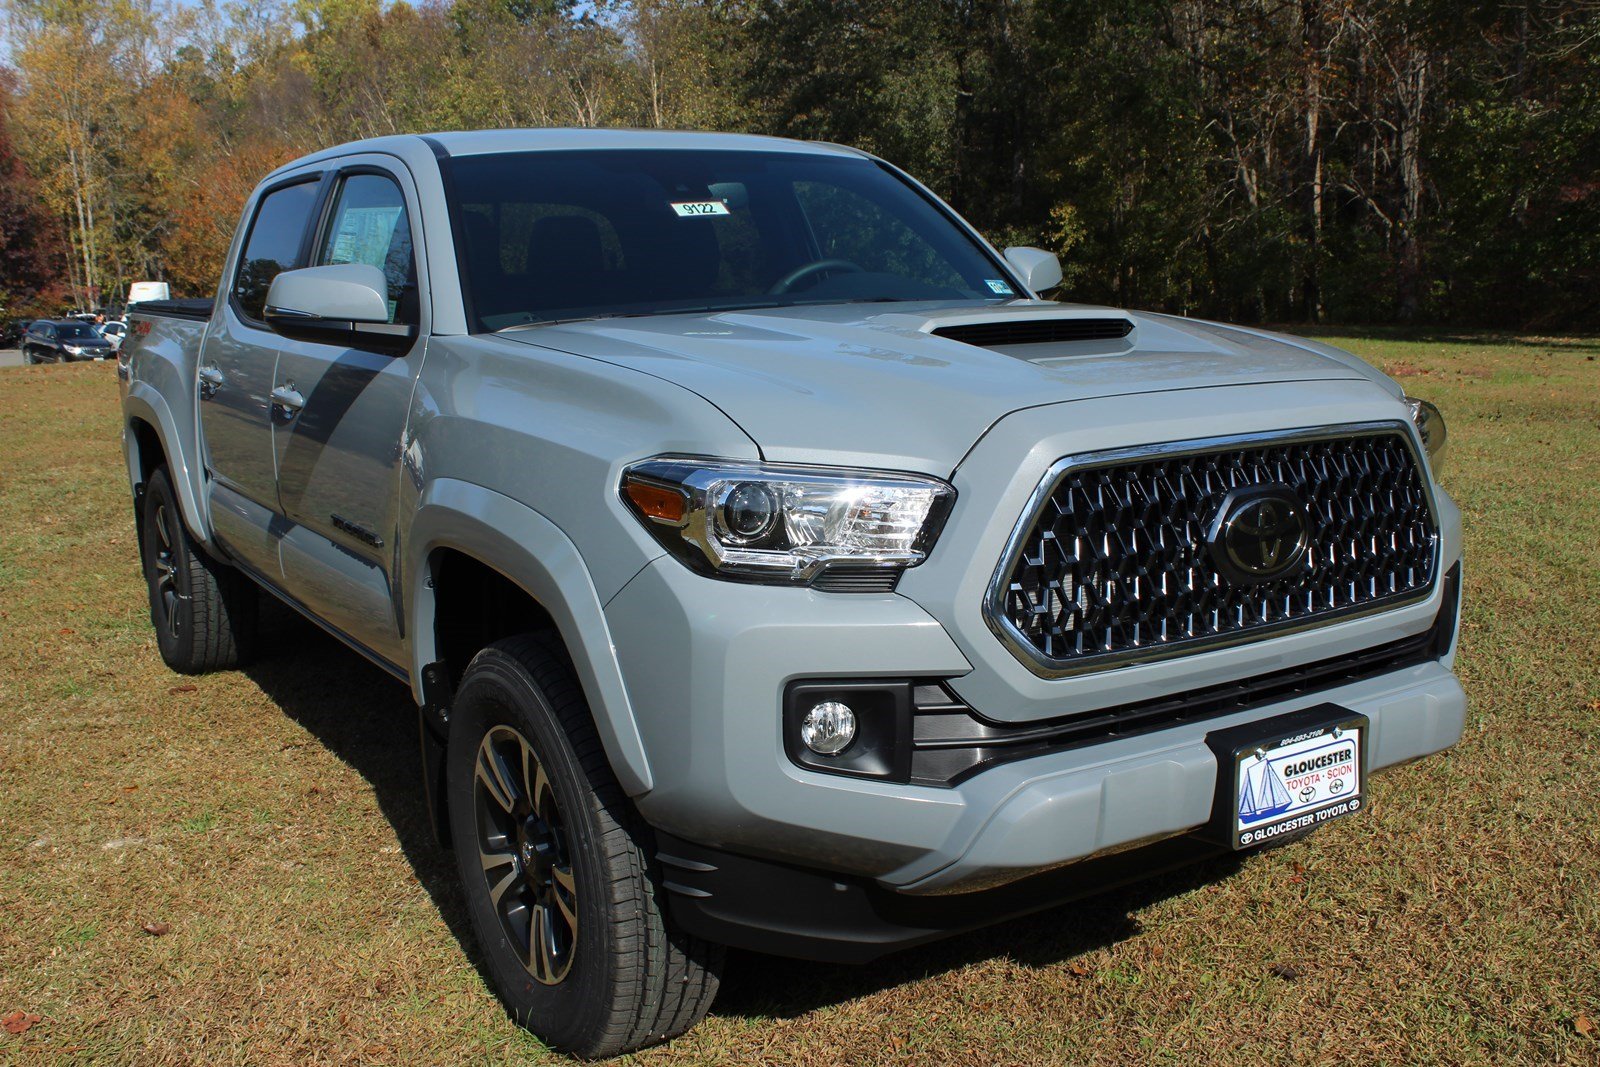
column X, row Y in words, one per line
column 1040, row 270
column 341, row 304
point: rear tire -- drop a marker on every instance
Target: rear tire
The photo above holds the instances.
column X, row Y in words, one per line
column 203, row 611
column 552, row 853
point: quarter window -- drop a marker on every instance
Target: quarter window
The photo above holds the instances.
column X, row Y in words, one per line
column 274, row 243
column 369, row 225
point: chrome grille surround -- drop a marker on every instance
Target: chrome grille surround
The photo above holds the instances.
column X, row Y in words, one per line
column 1134, row 585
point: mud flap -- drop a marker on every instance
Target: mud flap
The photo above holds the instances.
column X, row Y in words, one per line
column 433, row 730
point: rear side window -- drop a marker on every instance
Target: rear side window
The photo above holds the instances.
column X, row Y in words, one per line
column 369, row 225
column 274, row 243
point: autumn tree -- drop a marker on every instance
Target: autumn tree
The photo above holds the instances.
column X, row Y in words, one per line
column 31, row 259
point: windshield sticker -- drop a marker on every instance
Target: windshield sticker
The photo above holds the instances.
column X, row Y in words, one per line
column 690, row 209
column 998, row 286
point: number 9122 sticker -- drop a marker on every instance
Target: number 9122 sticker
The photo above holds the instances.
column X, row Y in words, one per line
column 694, row 209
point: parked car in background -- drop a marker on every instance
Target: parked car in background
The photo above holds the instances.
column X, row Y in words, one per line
column 114, row 331
column 65, row 341
column 13, row 332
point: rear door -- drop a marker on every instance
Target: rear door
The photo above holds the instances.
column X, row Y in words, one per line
column 341, row 415
column 237, row 361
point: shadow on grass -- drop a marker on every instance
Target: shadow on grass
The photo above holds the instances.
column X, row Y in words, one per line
column 367, row 719
column 756, row 986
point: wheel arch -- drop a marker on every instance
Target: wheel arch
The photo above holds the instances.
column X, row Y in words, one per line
column 150, row 439
column 463, row 529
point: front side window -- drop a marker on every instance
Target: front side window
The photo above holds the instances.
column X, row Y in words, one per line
column 274, row 244
column 549, row 236
column 369, row 225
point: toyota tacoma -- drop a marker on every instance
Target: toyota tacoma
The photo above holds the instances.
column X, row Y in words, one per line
column 770, row 564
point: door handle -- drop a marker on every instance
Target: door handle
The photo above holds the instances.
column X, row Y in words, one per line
column 287, row 401
column 210, row 380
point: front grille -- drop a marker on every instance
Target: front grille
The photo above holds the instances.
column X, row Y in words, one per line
column 1036, row 331
column 1110, row 565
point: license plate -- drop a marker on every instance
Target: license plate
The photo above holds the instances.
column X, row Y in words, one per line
column 1288, row 775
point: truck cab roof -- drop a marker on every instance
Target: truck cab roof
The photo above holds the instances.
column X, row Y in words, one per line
column 556, row 139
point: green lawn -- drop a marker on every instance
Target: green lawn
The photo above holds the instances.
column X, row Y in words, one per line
column 269, row 819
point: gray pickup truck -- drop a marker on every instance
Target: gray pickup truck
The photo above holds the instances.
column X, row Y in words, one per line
column 771, row 567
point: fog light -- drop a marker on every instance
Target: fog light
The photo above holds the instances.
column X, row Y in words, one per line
column 828, row 728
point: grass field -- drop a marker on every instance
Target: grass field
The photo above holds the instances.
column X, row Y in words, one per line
column 267, row 822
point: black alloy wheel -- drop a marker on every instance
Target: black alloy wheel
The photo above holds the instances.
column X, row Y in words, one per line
column 522, row 845
column 558, row 870
column 166, row 613
column 203, row 611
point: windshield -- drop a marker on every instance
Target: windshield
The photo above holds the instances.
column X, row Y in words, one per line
column 561, row 235
column 76, row 331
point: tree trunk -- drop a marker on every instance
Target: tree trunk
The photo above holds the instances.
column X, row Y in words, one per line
column 1315, row 45
column 1412, row 94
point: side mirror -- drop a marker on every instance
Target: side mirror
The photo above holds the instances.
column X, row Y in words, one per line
column 342, row 304
column 1039, row 269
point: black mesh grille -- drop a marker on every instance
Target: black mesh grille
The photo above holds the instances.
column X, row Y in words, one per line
column 1036, row 331
column 1114, row 564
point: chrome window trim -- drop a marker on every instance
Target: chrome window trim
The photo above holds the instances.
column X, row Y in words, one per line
column 1044, row 667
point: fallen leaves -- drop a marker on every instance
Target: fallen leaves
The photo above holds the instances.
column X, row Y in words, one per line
column 1287, row 971
column 1584, row 1025
column 1079, row 969
column 18, row 1022
column 183, row 689
column 157, row 929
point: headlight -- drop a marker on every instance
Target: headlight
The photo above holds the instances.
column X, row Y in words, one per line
column 1430, row 425
column 73, row 350
column 782, row 524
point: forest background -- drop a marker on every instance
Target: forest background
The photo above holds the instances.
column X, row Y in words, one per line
column 1424, row 161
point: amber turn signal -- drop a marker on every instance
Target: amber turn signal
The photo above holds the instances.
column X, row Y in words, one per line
column 657, row 502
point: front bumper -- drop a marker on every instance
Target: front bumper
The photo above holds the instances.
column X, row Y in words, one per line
column 706, row 664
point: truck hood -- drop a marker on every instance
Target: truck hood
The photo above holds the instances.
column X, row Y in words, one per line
column 876, row 386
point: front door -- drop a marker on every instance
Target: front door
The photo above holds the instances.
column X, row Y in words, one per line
column 237, row 362
column 338, row 421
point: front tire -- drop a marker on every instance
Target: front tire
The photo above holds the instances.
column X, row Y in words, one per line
column 203, row 611
column 557, row 867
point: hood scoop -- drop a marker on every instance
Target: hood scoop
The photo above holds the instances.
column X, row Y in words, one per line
column 1035, row 330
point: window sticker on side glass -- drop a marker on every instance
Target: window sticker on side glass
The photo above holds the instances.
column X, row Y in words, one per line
column 363, row 236
column 998, row 286
column 691, row 209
